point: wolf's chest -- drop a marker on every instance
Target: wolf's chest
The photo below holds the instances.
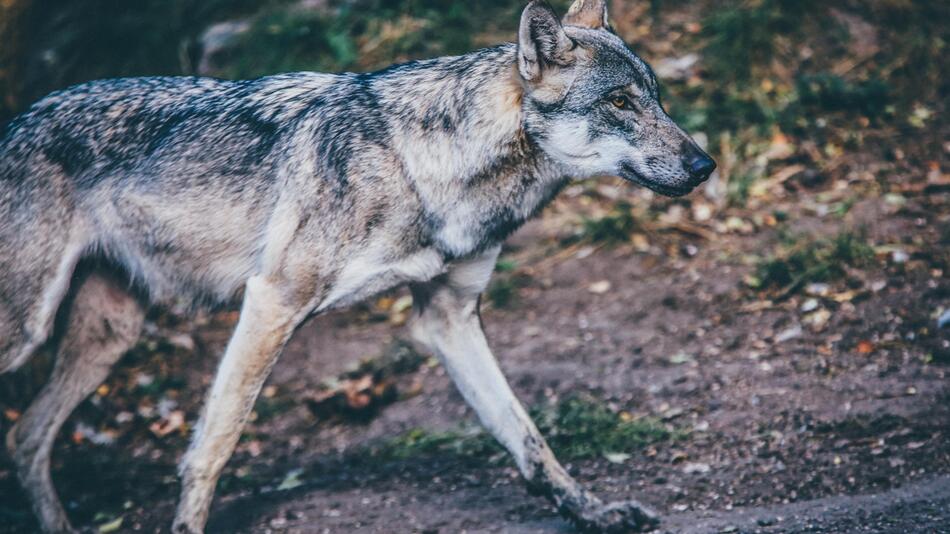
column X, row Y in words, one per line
column 478, row 220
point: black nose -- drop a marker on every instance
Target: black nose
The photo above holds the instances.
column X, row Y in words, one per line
column 700, row 167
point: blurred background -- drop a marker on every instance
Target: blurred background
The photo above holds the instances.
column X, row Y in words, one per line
column 778, row 338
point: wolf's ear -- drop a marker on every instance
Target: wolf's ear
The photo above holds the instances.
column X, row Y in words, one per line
column 542, row 42
column 587, row 14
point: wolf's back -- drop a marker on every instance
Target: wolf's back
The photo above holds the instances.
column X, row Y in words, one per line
column 160, row 127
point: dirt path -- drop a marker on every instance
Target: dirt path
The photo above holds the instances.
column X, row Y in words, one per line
column 917, row 507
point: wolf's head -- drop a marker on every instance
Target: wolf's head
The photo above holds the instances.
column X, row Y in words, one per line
column 594, row 106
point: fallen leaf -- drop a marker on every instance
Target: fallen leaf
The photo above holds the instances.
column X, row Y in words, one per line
column 165, row 426
column 111, row 526
column 385, row 303
column 846, row 296
column 402, row 303
column 640, row 242
column 291, row 480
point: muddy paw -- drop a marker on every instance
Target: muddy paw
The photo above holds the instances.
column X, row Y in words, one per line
column 619, row 517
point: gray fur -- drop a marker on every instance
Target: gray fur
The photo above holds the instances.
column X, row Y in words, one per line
column 314, row 191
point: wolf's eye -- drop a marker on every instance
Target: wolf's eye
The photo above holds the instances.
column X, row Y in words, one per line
column 621, row 102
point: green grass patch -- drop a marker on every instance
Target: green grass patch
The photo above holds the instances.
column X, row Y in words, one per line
column 615, row 227
column 505, row 266
column 581, row 427
column 737, row 191
column 503, row 290
column 743, row 36
column 833, row 93
column 803, row 260
column 576, row 428
column 365, row 34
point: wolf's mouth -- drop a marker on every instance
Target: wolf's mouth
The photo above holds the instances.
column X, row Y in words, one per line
column 630, row 174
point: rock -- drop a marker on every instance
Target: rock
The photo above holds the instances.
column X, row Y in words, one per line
column 818, row 289
column 788, row 334
column 700, row 468
column 899, row 256
column 616, row 457
column 944, row 319
column 681, row 357
column 216, row 39
column 182, row 341
column 599, row 288
column 818, row 320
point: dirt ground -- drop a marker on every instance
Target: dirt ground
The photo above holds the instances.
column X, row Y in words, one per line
column 778, row 419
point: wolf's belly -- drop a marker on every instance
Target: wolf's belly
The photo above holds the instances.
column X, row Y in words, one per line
column 194, row 251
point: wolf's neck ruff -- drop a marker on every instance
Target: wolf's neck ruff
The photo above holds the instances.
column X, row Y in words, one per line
column 462, row 143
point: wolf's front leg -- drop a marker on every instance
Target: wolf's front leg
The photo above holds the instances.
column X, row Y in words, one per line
column 447, row 322
column 266, row 323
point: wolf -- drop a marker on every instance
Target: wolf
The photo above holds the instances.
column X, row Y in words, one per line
column 302, row 193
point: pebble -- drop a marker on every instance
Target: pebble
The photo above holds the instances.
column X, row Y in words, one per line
column 696, row 468
column 788, row 334
column 944, row 319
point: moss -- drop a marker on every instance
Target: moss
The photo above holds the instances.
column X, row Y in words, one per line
column 365, row 34
column 803, row 260
column 581, row 427
column 615, row 227
column 504, row 288
column 742, row 37
column 576, row 428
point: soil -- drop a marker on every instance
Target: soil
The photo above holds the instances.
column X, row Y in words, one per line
column 784, row 426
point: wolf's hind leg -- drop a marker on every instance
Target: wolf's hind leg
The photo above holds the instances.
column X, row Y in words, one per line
column 35, row 279
column 447, row 322
column 103, row 322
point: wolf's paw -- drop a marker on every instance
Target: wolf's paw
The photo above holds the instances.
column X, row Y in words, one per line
column 618, row 517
